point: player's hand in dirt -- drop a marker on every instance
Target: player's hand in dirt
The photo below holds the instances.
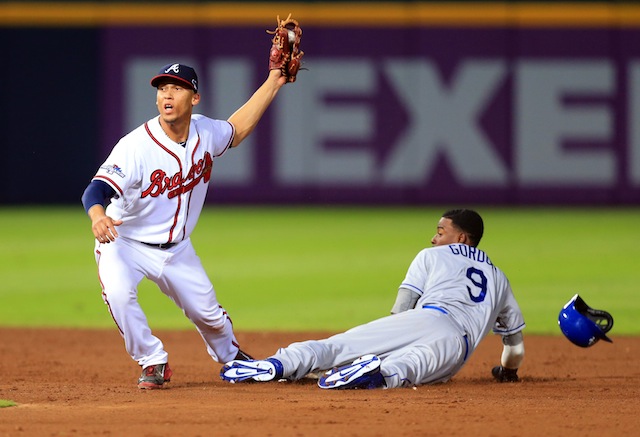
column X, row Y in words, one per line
column 502, row 374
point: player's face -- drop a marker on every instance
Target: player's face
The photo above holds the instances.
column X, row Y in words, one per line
column 447, row 233
column 175, row 101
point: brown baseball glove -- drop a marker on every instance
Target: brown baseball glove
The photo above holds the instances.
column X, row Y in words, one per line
column 285, row 54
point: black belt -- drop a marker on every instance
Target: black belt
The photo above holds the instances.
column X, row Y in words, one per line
column 161, row 245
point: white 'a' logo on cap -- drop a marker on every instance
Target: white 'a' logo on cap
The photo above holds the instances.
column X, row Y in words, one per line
column 175, row 68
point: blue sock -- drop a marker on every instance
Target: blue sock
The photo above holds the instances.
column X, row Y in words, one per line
column 278, row 366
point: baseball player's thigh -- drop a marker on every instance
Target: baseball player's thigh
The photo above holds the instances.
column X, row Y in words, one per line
column 433, row 357
column 118, row 271
column 185, row 280
column 380, row 337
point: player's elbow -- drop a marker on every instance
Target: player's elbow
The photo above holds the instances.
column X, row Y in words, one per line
column 238, row 138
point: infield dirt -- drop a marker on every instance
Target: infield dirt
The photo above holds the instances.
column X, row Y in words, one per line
column 82, row 383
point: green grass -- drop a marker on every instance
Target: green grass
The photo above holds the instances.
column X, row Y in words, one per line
column 4, row 403
column 324, row 268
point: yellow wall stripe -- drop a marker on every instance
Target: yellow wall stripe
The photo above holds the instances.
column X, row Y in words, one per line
column 380, row 14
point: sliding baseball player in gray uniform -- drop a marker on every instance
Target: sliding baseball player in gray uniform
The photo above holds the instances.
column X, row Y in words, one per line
column 450, row 299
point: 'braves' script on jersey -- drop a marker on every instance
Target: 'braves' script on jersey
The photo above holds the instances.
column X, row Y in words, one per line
column 177, row 184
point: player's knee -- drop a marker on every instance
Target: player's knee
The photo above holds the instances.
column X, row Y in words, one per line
column 215, row 320
column 119, row 298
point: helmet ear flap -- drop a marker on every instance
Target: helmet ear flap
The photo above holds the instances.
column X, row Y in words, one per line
column 601, row 318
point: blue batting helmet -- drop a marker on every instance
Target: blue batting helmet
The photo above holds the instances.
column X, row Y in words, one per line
column 583, row 325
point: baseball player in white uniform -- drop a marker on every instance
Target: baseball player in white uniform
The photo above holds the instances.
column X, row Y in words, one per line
column 451, row 297
column 156, row 180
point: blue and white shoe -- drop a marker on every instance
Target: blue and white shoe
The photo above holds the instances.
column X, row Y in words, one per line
column 362, row 373
column 255, row 370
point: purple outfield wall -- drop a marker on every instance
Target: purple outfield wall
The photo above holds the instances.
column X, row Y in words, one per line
column 506, row 113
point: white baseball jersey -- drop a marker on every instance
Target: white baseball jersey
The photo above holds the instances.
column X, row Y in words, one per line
column 160, row 191
column 462, row 297
column 161, row 186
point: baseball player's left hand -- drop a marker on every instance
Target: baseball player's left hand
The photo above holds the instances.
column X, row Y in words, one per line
column 502, row 374
column 285, row 54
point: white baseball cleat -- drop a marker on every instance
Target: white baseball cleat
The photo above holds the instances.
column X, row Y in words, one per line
column 364, row 372
column 255, row 370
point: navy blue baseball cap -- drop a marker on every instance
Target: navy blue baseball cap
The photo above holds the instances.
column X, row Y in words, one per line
column 180, row 72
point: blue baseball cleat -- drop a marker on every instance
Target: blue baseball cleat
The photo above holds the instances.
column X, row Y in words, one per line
column 362, row 373
column 255, row 370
